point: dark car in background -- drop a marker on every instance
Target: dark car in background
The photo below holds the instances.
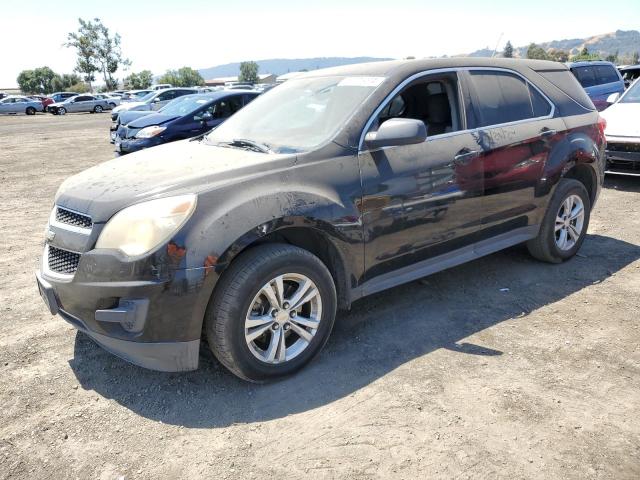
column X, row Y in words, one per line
column 630, row 73
column 335, row 185
column 184, row 117
column 599, row 79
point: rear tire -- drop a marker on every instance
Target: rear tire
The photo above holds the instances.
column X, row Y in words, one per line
column 30, row 111
column 251, row 327
column 565, row 223
column 97, row 109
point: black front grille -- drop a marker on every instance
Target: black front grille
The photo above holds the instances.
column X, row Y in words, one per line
column 72, row 218
column 624, row 147
column 63, row 261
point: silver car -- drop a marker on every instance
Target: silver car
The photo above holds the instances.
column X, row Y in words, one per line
column 79, row 103
column 14, row 104
column 113, row 100
column 152, row 101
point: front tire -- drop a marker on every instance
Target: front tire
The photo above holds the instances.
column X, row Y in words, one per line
column 271, row 313
column 565, row 223
column 61, row 111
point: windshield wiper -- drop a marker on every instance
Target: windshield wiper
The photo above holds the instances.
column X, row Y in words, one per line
column 248, row 145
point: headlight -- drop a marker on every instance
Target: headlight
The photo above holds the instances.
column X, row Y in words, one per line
column 149, row 132
column 140, row 228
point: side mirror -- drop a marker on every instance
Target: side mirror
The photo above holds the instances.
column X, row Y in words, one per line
column 613, row 98
column 206, row 116
column 396, row 132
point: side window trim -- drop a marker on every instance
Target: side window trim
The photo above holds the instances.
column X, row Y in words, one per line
column 462, row 84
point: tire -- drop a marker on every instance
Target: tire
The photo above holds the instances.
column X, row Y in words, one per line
column 30, row 111
column 548, row 246
column 97, row 109
column 61, row 111
column 241, row 293
column 112, row 105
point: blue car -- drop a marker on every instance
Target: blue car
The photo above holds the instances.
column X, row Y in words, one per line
column 599, row 79
column 185, row 117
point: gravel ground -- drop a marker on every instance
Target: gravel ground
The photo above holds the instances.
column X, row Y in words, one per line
column 451, row 377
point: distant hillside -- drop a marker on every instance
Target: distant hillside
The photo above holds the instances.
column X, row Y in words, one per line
column 625, row 43
column 279, row 66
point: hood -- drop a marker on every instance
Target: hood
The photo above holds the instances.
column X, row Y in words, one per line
column 56, row 104
column 176, row 168
column 622, row 120
column 125, row 117
column 130, row 106
column 151, row 119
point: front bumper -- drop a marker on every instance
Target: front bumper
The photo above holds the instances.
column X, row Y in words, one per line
column 130, row 145
column 623, row 156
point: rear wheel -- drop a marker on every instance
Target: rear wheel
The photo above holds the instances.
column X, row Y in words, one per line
column 30, row 111
column 97, row 109
column 272, row 312
column 565, row 224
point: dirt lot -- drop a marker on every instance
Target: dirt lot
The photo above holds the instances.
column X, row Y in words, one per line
column 447, row 378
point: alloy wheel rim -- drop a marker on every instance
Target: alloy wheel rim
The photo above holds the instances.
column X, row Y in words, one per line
column 283, row 318
column 569, row 222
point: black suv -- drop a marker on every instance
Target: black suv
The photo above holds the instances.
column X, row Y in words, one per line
column 332, row 186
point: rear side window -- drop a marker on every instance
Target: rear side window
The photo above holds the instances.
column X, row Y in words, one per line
column 606, row 74
column 502, row 97
column 568, row 84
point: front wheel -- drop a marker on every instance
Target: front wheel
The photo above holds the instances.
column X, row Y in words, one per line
column 62, row 111
column 272, row 312
column 565, row 224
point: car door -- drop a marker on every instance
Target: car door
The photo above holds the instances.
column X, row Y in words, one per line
column 423, row 200
column 515, row 130
column 74, row 104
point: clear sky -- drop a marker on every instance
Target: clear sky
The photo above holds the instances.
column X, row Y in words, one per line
column 167, row 34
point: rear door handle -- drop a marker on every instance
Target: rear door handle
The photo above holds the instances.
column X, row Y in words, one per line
column 464, row 156
column 547, row 132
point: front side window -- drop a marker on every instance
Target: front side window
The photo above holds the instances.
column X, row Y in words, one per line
column 632, row 95
column 298, row 115
column 433, row 101
column 502, row 97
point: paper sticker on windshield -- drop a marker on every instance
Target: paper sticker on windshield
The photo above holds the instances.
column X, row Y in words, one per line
column 201, row 101
column 360, row 81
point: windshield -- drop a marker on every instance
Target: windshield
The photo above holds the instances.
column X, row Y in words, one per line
column 633, row 94
column 298, row 115
column 184, row 105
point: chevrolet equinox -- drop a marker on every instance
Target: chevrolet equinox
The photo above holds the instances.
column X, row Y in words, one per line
column 332, row 186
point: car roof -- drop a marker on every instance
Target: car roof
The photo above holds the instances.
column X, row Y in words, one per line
column 586, row 63
column 219, row 94
column 629, row 67
column 402, row 68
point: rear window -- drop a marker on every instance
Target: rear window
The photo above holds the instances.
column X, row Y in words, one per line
column 502, row 97
column 606, row 74
column 567, row 84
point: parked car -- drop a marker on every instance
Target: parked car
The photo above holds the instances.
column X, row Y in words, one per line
column 154, row 100
column 629, row 74
column 3, row 95
column 161, row 86
column 184, row 117
column 44, row 101
column 79, row 103
column 19, row 104
column 113, row 100
column 337, row 184
column 599, row 79
column 623, row 131
column 62, row 96
column 134, row 95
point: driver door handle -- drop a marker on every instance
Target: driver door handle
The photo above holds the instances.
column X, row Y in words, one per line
column 464, row 156
column 547, row 132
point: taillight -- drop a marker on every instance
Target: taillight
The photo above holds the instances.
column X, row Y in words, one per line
column 602, row 124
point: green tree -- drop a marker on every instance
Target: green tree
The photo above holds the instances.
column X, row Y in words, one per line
column 39, row 80
column 80, row 87
column 64, row 82
column 559, row 56
column 635, row 58
column 508, row 50
column 248, row 72
column 612, row 57
column 97, row 51
column 138, row 81
column 584, row 52
column 536, row 52
column 183, row 77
